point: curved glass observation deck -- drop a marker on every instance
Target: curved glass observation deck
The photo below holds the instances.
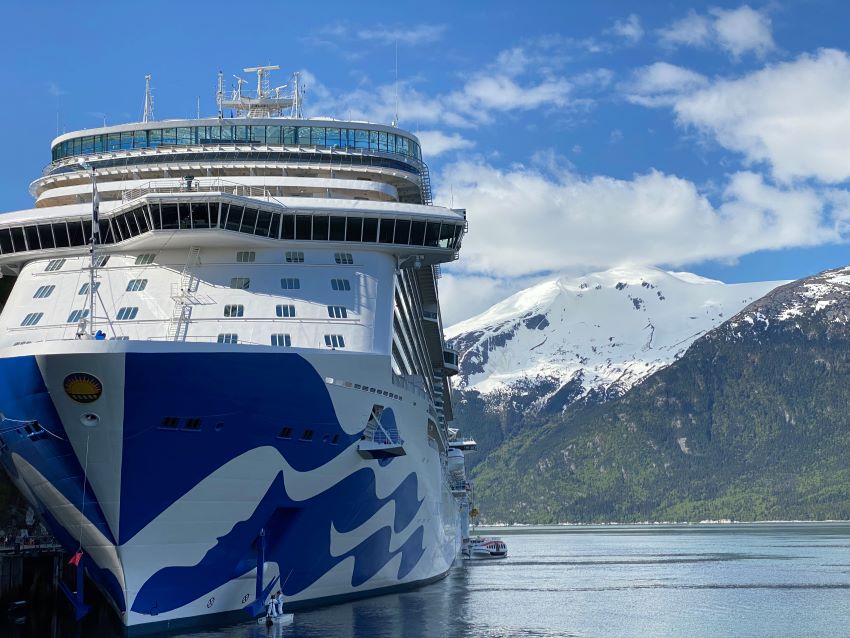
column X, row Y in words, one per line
column 218, row 211
column 322, row 133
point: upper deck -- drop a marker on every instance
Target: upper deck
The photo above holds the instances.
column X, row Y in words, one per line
column 218, row 132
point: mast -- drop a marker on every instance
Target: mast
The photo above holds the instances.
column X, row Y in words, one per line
column 147, row 114
column 95, row 234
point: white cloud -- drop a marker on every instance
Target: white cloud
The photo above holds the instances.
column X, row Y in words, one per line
column 494, row 89
column 463, row 296
column 743, row 30
column 794, row 116
column 407, row 34
column 662, row 84
column 629, row 29
column 692, row 30
column 436, row 142
column 525, row 220
column 737, row 31
column 55, row 90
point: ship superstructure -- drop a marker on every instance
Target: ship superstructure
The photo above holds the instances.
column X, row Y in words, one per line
column 234, row 379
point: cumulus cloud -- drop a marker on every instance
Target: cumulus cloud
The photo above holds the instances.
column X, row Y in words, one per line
column 662, row 84
column 629, row 29
column 794, row 116
column 436, row 142
column 507, row 84
column 737, row 31
column 529, row 220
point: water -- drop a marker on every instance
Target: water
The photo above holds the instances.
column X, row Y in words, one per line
column 718, row 580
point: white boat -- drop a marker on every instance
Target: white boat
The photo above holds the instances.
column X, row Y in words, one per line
column 484, row 547
column 222, row 365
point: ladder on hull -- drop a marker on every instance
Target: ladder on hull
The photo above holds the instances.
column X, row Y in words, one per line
column 183, row 296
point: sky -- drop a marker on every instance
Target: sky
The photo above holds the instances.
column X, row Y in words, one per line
column 579, row 136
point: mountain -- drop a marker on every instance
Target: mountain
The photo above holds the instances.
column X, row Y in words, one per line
column 595, row 335
column 752, row 422
column 587, row 339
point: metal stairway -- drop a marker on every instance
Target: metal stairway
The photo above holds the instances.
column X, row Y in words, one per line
column 425, row 183
column 181, row 313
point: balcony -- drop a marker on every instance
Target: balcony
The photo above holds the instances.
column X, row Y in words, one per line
column 450, row 361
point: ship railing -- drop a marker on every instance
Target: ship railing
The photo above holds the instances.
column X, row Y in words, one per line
column 195, row 185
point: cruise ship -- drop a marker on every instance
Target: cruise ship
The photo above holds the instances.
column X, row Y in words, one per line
column 222, row 363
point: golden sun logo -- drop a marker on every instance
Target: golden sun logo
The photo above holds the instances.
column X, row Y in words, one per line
column 83, row 387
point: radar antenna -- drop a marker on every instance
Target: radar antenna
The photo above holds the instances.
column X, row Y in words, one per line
column 147, row 113
column 219, row 95
column 267, row 102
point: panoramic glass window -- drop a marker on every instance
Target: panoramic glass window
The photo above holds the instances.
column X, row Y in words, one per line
column 127, row 313
column 283, row 340
column 228, row 338
column 285, row 310
column 245, row 256
column 76, row 315
column 240, row 283
column 294, row 257
column 137, row 285
column 337, row 312
column 32, row 318
column 144, row 260
column 84, row 289
column 290, row 283
column 340, row 284
column 343, row 258
column 54, row 264
column 43, row 292
column 334, row 341
column 234, row 310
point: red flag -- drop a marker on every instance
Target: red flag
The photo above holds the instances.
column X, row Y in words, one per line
column 75, row 559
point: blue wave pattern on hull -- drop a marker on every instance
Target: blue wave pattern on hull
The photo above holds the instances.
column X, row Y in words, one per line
column 298, row 537
column 24, row 397
column 252, row 395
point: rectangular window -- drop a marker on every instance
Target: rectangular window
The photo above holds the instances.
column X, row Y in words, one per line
column 43, row 292
column 76, row 315
column 290, row 283
column 334, row 341
column 343, row 258
column 54, row 264
column 340, row 284
column 192, row 424
column 137, row 285
column 240, row 283
column 84, row 289
column 282, row 340
column 32, row 318
column 169, row 422
column 285, row 433
column 285, row 310
column 294, row 257
column 307, row 436
column 144, row 260
column 127, row 313
column 246, row 256
column 337, row 312
column 234, row 310
column 228, row 338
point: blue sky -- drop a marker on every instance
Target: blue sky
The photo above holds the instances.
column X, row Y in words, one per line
column 709, row 137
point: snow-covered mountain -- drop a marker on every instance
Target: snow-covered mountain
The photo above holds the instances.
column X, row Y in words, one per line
column 564, row 338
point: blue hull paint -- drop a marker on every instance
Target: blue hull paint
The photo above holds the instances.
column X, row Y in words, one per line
column 243, row 400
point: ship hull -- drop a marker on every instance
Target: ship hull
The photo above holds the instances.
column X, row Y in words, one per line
column 195, row 461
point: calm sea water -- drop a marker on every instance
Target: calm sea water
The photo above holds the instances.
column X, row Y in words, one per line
column 717, row 580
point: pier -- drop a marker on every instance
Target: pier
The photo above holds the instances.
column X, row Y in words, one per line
column 27, row 565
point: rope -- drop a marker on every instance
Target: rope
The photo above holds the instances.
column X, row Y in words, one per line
column 85, row 480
